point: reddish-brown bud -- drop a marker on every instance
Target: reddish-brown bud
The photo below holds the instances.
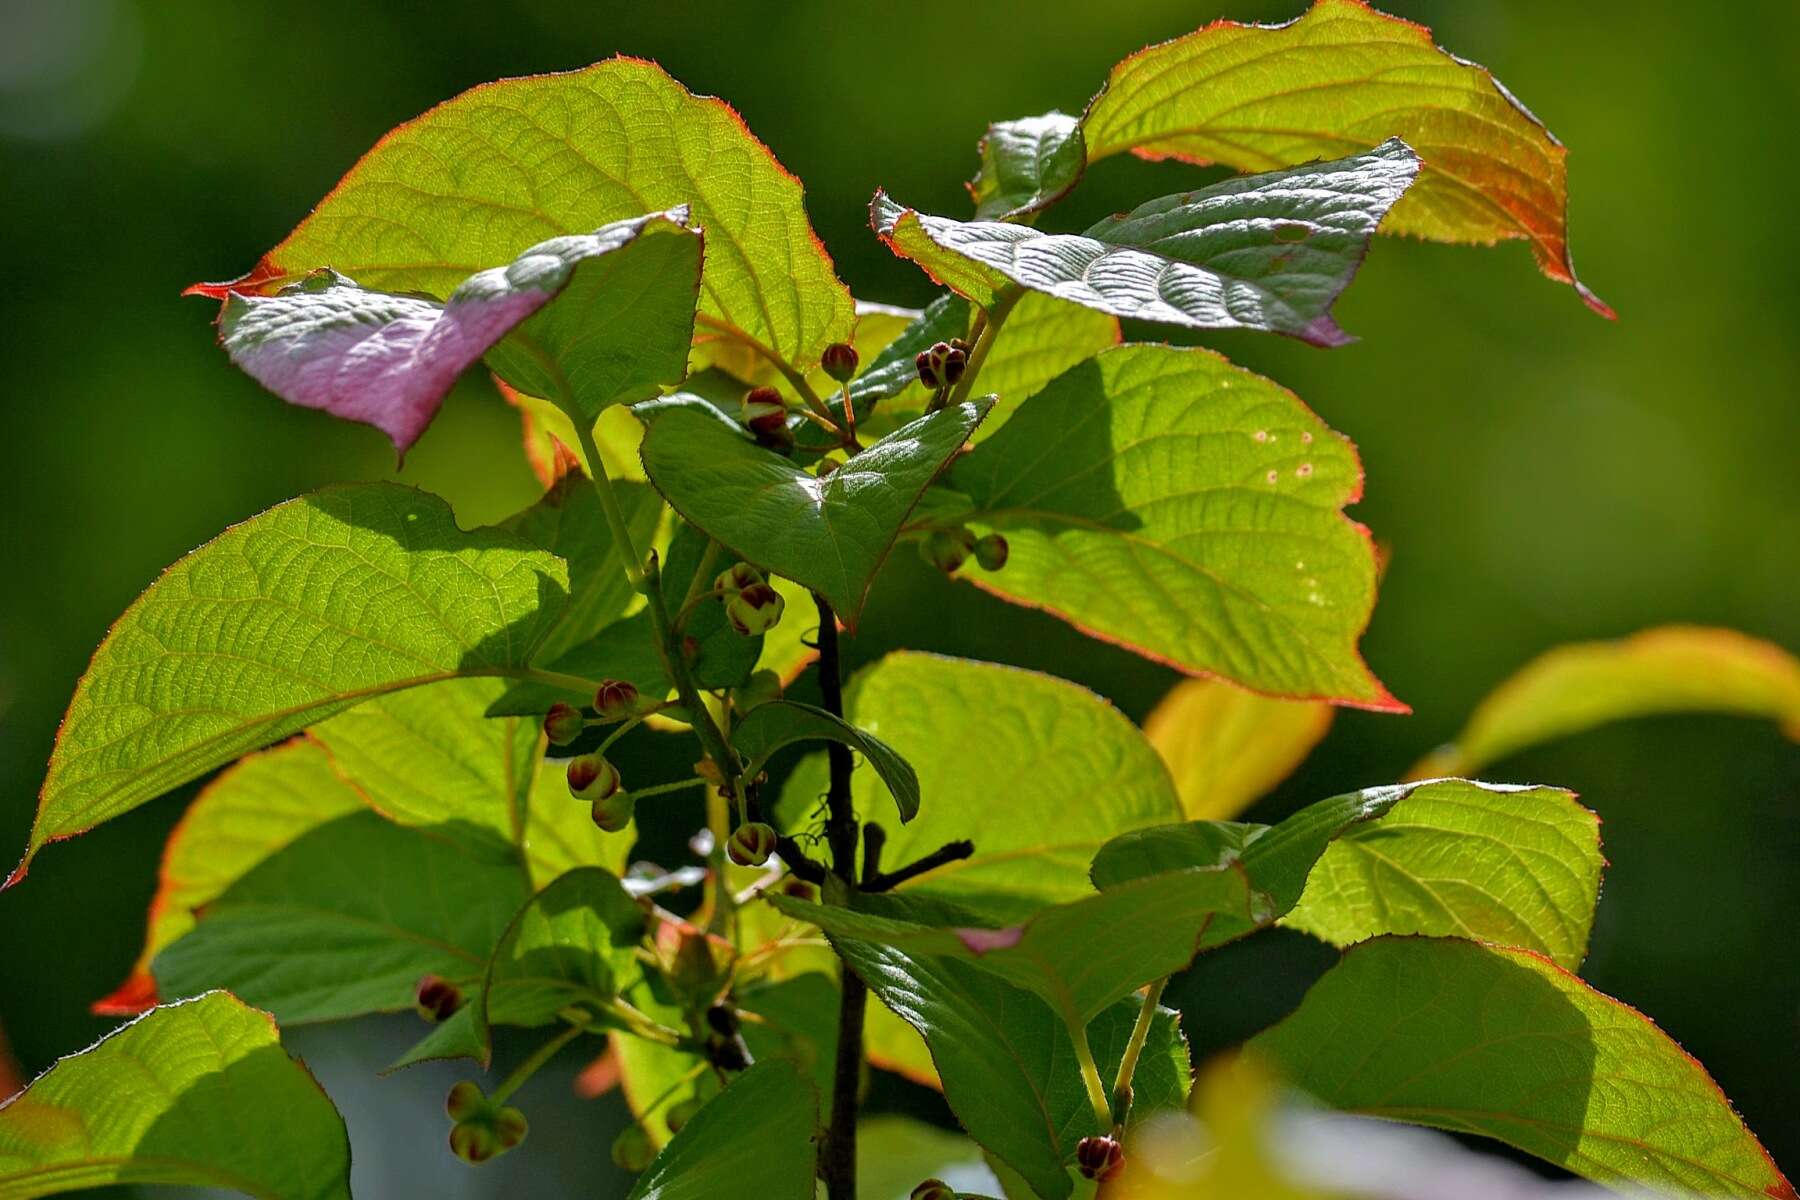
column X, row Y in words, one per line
column 799, row 889
column 933, row 1189
column 613, row 813
column 473, row 1142
column 756, row 609
column 1100, row 1158
column 991, row 552
column 616, row 699
column 947, row 549
column 436, row 998
column 930, row 364
column 563, row 723
column 839, row 361
column 592, row 778
column 751, row 844
column 631, row 1150
column 737, row 577
column 465, row 1101
column 510, row 1127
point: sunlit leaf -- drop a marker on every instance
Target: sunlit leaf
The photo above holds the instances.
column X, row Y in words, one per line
column 1340, row 78
column 1503, row 1043
column 828, row 534
column 198, row 1093
column 1227, row 747
column 1677, row 668
column 505, row 165
column 1191, row 511
column 1027, row 165
column 293, row 616
column 1036, row 772
column 1269, row 252
column 769, row 727
column 757, row 1141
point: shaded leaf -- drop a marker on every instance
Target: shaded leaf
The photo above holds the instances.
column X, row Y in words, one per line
column 293, row 616
column 388, row 359
column 757, row 1141
column 1027, row 165
column 828, row 534
column 1339, row 78
column 572, row 945
column 769, row 727
column 893, row 1153
column 1227, row 747
column 1269, row 252
column 463, row 187
column 1038, row 773
column 1503, row 1043
column 1677, row 668
column 198, row 1093
column 1191, row 511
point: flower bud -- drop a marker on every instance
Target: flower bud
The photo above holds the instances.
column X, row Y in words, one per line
column 510, row 1127
column 754, row 610
column 799, row 889
column 465, row 1101
column 563, row 723
column 631, row 1150
column 931, row 364
column 947, row 549
column 680, row 1114
column 762, row 402
column 737, row 577
column 825, row 466
column 592, row 777
column 839, row 361
column 751, row 844
column 956, row 361
column 934, row 1189
column 436, row 998
column 613, row 813
column 991, row 552
column 473, row 1142
column 1100, row 1158
column 615, row 700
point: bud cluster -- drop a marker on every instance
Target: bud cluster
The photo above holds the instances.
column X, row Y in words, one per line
column 436, row 999
column 751, row 605
column 949, row 549
column 595, row 780
column 942, row 364
column 481, row 1129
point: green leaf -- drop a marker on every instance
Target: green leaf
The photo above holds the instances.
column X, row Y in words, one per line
column 293, row 616
column 197, row 1093
column 1503, row 1043
column 757, row 1141
column 1344, row 76
column 1191, row 511
column 261, row 804
column 1515, row 867
column 345, row 920
column 1227, row 747
column 389, row 359
column 828, row 534
column 508, row 164
column 796, row 1020
column 1269, row 252
column 893, row 1153
column 567, row 521
column 1076, row 957
column 571, row 945
column 769, row 727
column 1676, row 668
column 1036, row 772
column 1007, row 1062
column 1027, row 165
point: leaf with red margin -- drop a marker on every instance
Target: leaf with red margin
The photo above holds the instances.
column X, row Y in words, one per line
column 198, row 1092
column 1271, row 252
column 502, row 166
column 388, row 360
column 1165, row 500
column 1503, row 1043
column 1341, row 77
column 1675, row 668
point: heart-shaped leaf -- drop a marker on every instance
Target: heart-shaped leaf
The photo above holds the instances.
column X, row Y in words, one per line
column 1027, row 165
column 1503, row 1043
column 198, row 1093
column 387, row 360
column 830, row 534
column 768, row 727
column 1269, row 252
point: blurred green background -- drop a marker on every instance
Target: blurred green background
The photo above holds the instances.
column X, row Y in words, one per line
column 1540, row 475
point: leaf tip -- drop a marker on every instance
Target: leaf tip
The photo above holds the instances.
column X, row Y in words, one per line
column 136, row 995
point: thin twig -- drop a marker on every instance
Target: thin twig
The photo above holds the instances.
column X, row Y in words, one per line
column 948, row 853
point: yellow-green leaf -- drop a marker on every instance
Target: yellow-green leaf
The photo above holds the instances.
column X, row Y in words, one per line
column 1226, row 747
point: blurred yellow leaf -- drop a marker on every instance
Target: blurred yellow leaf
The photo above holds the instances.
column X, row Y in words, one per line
column 1226, row 746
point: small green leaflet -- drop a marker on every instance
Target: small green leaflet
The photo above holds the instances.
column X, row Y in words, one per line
column 1344, row 76
column 1675, row 668
column 1503, row 1043
column 831, row 534
column 768, row 727
column 756, row 1141
column 1027, row 165
column 198, row 1093
column 1269, row 252
column 388, row 360
column 1038, row 773
column 565, row 153
column 1193, row 512
column 295, row 615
